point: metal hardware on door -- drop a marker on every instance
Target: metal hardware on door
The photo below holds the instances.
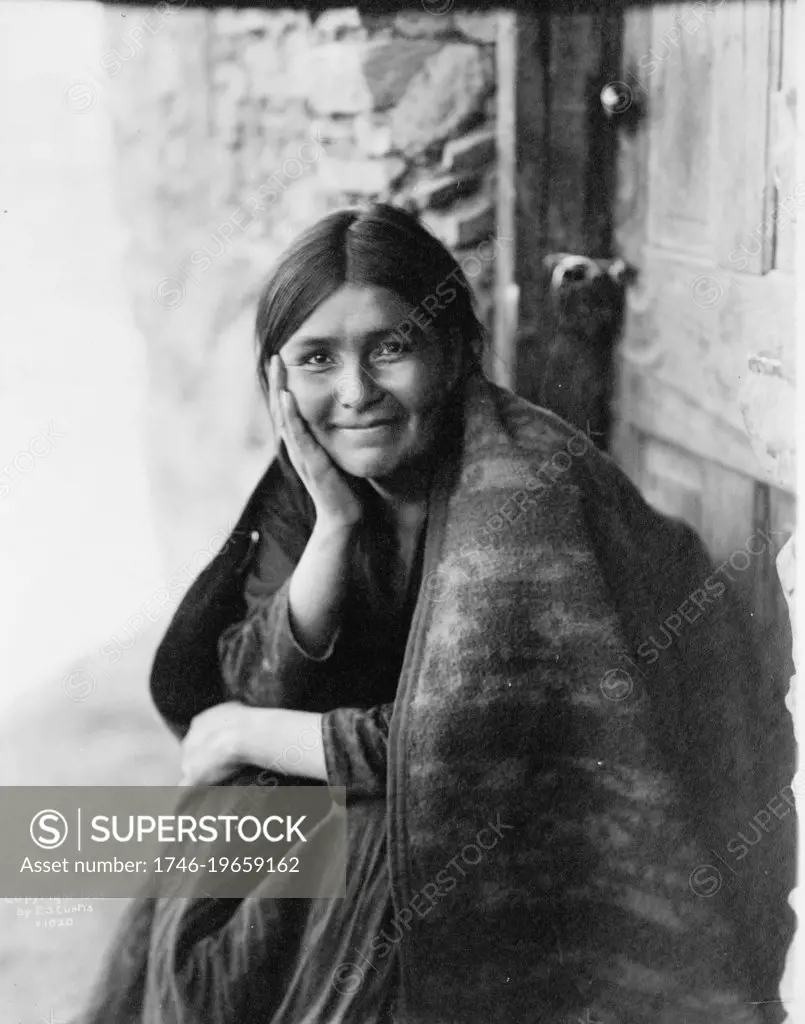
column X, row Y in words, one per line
column 572, row 360
column 616, row 98
column 624, row 103
column 570, row 269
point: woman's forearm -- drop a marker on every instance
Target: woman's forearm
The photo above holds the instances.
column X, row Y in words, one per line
column 276, row 655
column 319, row 586
column 346, row 747
column 289, row 742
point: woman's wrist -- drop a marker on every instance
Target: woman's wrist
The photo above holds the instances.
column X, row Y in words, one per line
column 335, row 528
column 284, row 741
column 318, row 587
column 260, row 738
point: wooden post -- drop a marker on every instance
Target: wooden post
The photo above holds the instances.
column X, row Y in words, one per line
column 521, row 193
column 503, row 364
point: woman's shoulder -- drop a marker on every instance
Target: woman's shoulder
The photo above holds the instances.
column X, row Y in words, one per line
column 508, row 438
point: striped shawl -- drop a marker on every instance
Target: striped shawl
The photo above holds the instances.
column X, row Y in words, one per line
column 552, row 799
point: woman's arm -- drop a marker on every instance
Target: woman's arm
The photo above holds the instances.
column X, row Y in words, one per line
column 319, row 587
column 346, row 747
column 272, row 657
column 355, row 749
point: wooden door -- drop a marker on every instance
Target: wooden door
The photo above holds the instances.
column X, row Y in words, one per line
column 705, row 206
column 692, row 181
column 699, row 212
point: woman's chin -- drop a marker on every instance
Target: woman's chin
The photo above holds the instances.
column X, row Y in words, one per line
column 370, row 464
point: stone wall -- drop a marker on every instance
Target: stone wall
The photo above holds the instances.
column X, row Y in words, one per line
column 236, row 129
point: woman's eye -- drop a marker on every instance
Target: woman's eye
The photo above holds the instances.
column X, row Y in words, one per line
column 394, row 347
column 316, row 359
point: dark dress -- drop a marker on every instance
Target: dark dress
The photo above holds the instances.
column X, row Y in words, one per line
column 326, row 968
column 265, row 960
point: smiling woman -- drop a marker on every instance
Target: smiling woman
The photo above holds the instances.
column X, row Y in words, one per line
column 353, row 361
column 315, row 649
column 311, row 643
column 371, row 396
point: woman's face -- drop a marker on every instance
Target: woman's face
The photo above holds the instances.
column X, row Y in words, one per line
column 371, row 394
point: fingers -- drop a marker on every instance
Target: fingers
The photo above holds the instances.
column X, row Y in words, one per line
column 307, row 457
column 185, row 770
column 301, row 444
column 282, row 373
column 290, row 430
column 295, row 433
column 275, row 407
column 289, row 425
column 293, row 421
column 203, row 768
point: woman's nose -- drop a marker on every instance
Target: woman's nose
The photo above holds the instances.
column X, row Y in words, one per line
column 355, row 387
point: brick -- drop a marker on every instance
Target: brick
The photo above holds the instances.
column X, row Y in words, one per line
column 354, row 77
column 335, row 25
column 435, row 194
column 378, row 24
column 481, row 28
column 229, row 83
column 389, row 66
column 373, row 138
column 473, row 151
column 445, row 95
column 336, row 81
column 277, row 63
column 423, row 25
column 242, row 21
column 463, row 226
column 330, row 130
column 361, row 177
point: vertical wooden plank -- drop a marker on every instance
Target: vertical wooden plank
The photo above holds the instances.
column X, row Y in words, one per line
column 727, row 512
column 671, row 481
column 678, row 71
column 532, row 52
column 742, row 203
column 765, row 610
column 777, row 643
column 626, row 448
column 771, row 629
column 575, row 60
column 632, row 181
column 532, row 129
column 728, row 508
column 631, row 203
column 503, row 362
column 585, row 55
column 600, row 180
column 783, row 139
column 740, row 517
column 780, row 523
column 783, row 516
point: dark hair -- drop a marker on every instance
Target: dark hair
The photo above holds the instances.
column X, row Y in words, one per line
column 377, row 245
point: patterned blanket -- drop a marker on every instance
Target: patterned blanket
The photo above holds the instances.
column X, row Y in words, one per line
column 552, row 801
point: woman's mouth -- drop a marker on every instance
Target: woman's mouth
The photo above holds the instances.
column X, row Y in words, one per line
column 377, row 426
